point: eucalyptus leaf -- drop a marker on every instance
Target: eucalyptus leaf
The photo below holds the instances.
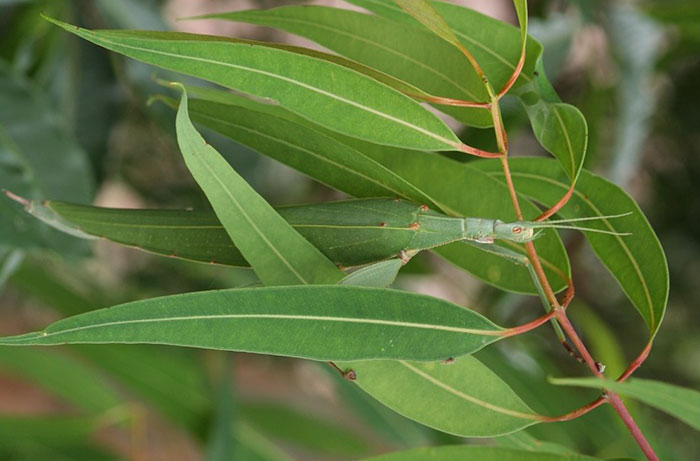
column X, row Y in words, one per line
column 463, row 398
column 278, row 254
column 411, row 54
column 315, row 322
column 331, row 95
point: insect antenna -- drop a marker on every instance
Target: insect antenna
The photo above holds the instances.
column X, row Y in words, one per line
column 587, row 218
column 566, row 224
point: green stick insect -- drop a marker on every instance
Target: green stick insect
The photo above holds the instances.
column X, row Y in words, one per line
column 350, row 233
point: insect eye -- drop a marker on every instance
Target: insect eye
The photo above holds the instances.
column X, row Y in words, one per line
column 517, row 229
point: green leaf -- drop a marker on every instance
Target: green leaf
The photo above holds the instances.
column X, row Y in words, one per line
column 475, row 453
column 306, row 150
column 636, row 261
column 315, row 322
column 331, row 95
column 560, row 128
column 411, row 54
column 278, row 254
column 379, row 275
column 677, row 401
column 464, row 398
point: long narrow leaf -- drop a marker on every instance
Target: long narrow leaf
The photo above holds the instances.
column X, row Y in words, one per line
column 278, row 254
column 331, row 95
column 315, row 322
column 411, row 54
column 464, row 398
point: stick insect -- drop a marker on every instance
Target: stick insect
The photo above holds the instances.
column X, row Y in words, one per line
column 351, row 233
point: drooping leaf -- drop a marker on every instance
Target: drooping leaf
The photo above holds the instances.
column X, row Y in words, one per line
column 411, row 54
column 440, row 395
column 475, row 452
column 683, row 403
column 636, row 261
column 316, row 322
column 278, row 254
column 253, row 445
column 184, row 401
column 331, row 95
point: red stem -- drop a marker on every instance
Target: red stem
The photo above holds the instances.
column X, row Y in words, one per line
column 557, row 206
column 514, row 76
column 578, row 412
column 529, row 326
column 478, row 152
column 636, row 363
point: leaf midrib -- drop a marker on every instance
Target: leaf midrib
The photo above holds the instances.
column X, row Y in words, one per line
column 446, row 387
column 369, row 321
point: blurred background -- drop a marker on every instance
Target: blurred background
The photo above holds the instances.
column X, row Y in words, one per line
column 74, row 125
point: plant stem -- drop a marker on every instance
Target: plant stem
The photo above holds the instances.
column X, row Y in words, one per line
column 559, row 312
